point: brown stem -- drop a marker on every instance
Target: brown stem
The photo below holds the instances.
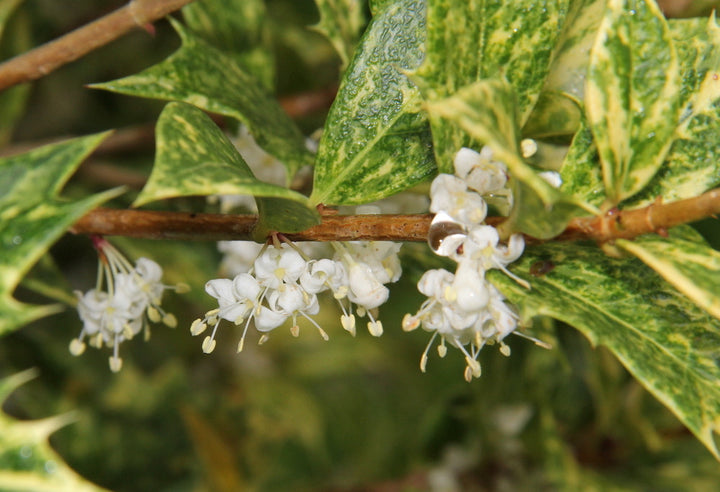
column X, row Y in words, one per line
column 656, row 217
column 44, row 59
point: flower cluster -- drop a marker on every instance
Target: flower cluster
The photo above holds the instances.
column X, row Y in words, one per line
column 124, row 298
column 283, row 283
column 463, row 308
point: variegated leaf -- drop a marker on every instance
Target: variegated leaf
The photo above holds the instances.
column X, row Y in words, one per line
column 685, row 260
column 208, row 78
column 559, row 108
column 485, row 110
column 237, row 27
column 470, row 40
column 194, row 157
column 33, row 216
column 27, row 461
column 693, row 163
column 669, row 344
column 691, row 166
column 341, row 21
column 581, row 172
column 632, row 95
column 376, row 141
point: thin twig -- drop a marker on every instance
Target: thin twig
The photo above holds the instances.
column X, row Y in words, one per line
column 656, row 218
column 44, row 59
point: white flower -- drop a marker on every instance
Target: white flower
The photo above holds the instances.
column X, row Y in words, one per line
column 463, row 308
column 450, row 194
column 114, row 311
column 364, row 288
column 278, row 265
column 318, row 275
column 470, row 287
column 479, row 171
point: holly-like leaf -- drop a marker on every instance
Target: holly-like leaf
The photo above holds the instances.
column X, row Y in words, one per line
column 693, row 163
column 470, row 40
column 632, row 95
column 27, row 462
column 194, row 157
column 580, row 172
column 669, row 344
column 33, row 216
column 376, row 141
column 341, row 21
column 237, row 27
column 485, row 110
column 685, row 260
column 210, row 79
column 558, row 110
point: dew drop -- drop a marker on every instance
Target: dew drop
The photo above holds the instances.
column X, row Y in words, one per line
column 445, row 234
column 26, row 452
column 50, row 467
column 17, row 240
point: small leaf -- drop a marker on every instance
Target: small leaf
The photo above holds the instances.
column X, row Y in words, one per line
column 632, row 95
column 208, row 78
column 485, row 110
column 27, row 462
column 33, row 216
column 194, row 157
column 376, row 142
column 237, row 27
column 683, row 259
column 662, row 338
column 693, row 163
column 341, row 21
column 470, row 40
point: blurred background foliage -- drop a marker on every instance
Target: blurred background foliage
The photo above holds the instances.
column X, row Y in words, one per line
column 303, row 414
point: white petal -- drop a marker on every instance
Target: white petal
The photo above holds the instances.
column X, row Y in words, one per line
column 267, row 320
column 464, row 161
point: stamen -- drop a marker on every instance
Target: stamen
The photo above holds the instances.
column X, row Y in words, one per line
column 424, row 357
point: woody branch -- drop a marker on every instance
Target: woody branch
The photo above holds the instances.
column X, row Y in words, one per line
column 655, row 218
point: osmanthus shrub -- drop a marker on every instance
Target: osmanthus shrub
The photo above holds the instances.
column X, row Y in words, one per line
column 551, row 153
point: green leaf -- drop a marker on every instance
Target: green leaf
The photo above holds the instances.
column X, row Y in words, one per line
column 27, row 462
column 33, row 216
column 376, row 142
column 341, row 21
column 470, row 40
column 15, row 39
column 581, row 172
column 194, row 157
column 683, row 259
column 559, row 108
column 237, row 27
column 7, row 8
column 693, row 163
column 663, row 339
column 555, row 114
column 632, row 95
column 208, row 78
column 376, row 6
column 485, row 110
